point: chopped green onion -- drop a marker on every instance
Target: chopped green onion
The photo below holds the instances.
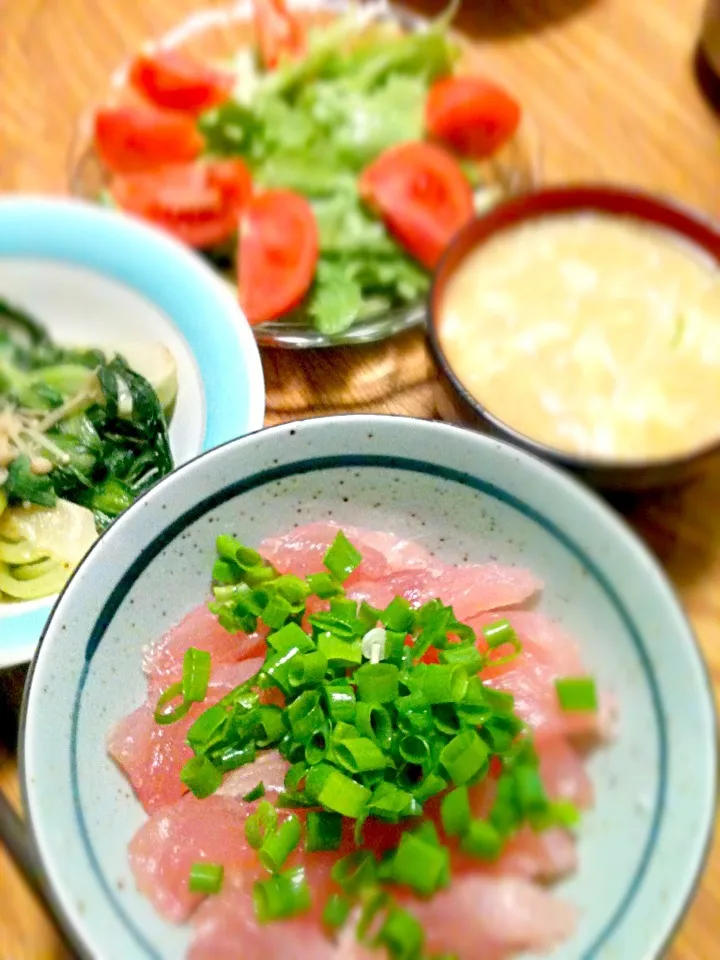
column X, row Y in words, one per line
column 257, row 793
column 336, row 911
column 201, row 776
column 163, row 716
column 208, row 729
column 377, row 682
column 498, row 633
column 374, row 721
column 323, row 831
column 196, row 674
column 355, row 871
column 276, row 612
column 279, row 844
column 402, row 934
column 465, row 757
column 317, row 746
column 429, row 787
column 482, row 840
column 342, row 558
column 390, row 803
column 269, row 726
column 530, row 790
column 415, row 749
column 577, row 693
column 340, row 652
column 205, row 878
column 369, row 615
column 444, row 683
column 283, row 896
column 468, row 657
column 455, row 812
column 308, row 668
column 342, row 795
column 306, row 715
column 359, row 754
column 344, row 609
column 290, row 637
column 420, row 865
column 324, row 586
column 234, row 756
column 446, row 718
column 398, row 615
column 340, row 697
column 505, row 815
column 261, row 824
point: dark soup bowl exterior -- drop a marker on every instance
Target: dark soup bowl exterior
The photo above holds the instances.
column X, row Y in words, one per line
column 454, row 401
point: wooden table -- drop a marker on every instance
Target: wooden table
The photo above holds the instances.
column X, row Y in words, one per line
column 611, row 85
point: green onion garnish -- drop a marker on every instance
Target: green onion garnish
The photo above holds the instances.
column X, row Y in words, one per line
column 455, row 811
column 336, row 911
column 196, row 674
column 370, row 732
column 165, row 716
column 342, row 558
column 205, row 878
column 279, row 844
column 283, row 896
column 420, row 865
column 323, row 831
column 481, row 839
column 201, row 776
column 257, row 793
column 577, row 693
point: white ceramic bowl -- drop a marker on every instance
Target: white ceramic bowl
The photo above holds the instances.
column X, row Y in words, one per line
column 643, row 846
column 92, row 277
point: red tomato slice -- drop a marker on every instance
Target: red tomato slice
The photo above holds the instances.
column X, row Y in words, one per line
column 474, row 116
column 131, row 139
column 280, row 35
column 198, row 203
column 173, row 80
column 277, row 254
column 423, row 196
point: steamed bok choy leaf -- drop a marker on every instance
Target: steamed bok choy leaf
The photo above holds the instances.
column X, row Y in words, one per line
column 82, row 434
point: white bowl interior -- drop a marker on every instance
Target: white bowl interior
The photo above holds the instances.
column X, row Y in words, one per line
column 96, row 278
column 467, row 497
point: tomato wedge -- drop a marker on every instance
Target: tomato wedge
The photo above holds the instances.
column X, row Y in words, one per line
column 423, row 196
column 474, row 116
column 132, row 139
column 174, row 81
column 199, row 203
column 277, row 254
column 280, row 34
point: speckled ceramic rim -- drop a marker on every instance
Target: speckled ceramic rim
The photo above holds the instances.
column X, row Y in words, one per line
column 148, row 262
column 313, row 464
column 689, row 224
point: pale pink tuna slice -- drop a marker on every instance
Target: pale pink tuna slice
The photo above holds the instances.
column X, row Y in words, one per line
column 399, row 553
column 163, row 661
column 481, row 916
column 375, row 592
column 175, row 837
column 152, row 755
column 302, row 550
column 564, row 773
column 545, row 856
column 486, row 586
column 548, row 654
column 469, row 590
column 269, row 769
column 226, row 929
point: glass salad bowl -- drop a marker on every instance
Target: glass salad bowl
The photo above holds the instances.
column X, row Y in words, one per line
column 224, row 37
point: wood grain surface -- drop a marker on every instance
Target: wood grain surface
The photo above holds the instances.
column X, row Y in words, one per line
column 610, row 84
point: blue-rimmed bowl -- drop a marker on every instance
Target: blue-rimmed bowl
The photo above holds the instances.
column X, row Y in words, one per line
column 467, row 497
column 93, row 277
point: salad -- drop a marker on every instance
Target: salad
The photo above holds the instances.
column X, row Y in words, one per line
column 324, row 170
column 83, row 432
